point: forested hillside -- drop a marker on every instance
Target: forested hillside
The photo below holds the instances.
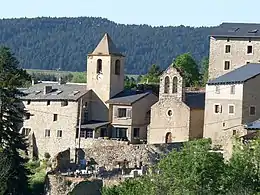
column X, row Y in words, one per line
column 50, row 43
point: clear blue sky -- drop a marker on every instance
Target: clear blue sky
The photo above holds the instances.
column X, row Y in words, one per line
column 153, row 12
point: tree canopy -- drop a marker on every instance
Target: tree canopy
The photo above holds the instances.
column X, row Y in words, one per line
column 189, row 68
column 198, row 169
column 52, row 43
column 12, row 143
column 153, row 75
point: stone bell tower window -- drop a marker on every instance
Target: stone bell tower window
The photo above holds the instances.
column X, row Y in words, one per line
column 99, row 66
column 117, row 67
column 174, row 85
column 166, row 84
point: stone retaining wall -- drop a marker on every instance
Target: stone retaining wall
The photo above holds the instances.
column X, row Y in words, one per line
column 109, row 152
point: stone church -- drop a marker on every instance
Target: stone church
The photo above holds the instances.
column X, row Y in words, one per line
column 63, row 116
column 178, row 116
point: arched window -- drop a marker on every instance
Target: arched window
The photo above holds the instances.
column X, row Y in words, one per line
column 166, row 84
column 175, row 85
column 99, row 65
column 117, row 67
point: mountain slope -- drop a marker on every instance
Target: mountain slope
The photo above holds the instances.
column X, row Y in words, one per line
column 50, row 43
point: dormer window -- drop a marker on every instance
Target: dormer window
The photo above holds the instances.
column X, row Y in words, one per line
column 99, row 66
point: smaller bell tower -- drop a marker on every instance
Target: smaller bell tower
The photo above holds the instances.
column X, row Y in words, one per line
column 172, row 84
column 105, row 69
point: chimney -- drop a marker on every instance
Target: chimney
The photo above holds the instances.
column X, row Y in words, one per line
column 61, row 81
column 47, row 89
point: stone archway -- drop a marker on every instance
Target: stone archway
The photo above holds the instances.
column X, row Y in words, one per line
column 168, row 137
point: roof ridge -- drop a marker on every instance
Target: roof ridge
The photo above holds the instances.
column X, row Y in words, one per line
column 106, row 46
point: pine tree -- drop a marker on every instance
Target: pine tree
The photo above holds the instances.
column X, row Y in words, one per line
column 12, row 143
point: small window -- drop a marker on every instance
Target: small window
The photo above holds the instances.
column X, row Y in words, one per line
column 223, row 124
column 248, row 62
column 86, row 105
column 232, row 89
column 217, row 108
column 252, row 110
column 121, row 112
column 169, row 113
column 55, row 117
column 234, row 132
column 47, row 133
column 117, row 67
column 83, row 133
column 228, row 39
column 28, row 102
column 27, row 116
column 26, row 131
column 48, row 102
column 231, row 109
column 136, row 132
column 249, row 49
column 217, row 89
column 227, row 49
column 64, row 103
column 99, row 66
column 227, row 65
column 59, row 133
column 89, row 133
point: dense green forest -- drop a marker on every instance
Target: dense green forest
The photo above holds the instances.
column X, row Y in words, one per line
column 50, row 43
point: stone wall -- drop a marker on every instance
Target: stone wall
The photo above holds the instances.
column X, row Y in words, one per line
column 238, row 54
column 108, row 152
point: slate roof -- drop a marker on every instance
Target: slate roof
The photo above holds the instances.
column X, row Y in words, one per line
column 59, row 92
column 236, row 30
column 195, row 100
column 94, row 124
column 253, row 125
column 106, row 47
column 128, row 97
column 239, row 75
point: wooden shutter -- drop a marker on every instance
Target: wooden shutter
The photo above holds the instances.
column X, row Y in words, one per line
column 115, row 112
column 129, row 113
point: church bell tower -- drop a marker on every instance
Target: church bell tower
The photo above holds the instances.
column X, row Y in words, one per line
column 105, row 69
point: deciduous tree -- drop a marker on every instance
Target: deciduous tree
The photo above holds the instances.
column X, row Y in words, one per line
column 189, row 68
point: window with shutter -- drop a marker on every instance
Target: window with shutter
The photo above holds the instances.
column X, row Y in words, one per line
column 129, row 113
column 115, row 112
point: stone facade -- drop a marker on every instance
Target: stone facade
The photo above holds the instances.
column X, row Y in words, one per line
column 222, row 126
column 42, row 120
column 237, row 56
column 60, row 113
column 109, row 153
column 172, row 120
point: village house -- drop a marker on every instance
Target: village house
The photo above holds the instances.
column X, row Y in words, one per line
column 63, row 116
column 179, row 114
column 233, row 45
column 232, row 104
